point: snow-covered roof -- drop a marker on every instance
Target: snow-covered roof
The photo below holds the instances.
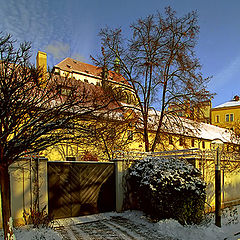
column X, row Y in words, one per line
column 187, row 127
column 231, row 103
column 211, row 132
column 179, row 125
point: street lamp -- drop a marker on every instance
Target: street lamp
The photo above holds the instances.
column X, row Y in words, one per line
column 218, row 143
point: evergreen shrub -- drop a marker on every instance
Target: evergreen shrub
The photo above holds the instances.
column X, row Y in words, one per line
column 167, row 188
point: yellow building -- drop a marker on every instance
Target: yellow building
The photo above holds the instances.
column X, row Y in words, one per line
column 192, row 134
column 174, row 136
column 103, row 81
column 198, row 111
column 227, row 115
column 182, row 133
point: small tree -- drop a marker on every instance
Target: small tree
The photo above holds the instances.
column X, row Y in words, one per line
column 35, row 113
column 159, row 61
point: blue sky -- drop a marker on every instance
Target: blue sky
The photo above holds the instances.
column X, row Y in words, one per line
column 69, row 28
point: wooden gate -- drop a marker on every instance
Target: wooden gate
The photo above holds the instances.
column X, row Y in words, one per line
column 80, row 188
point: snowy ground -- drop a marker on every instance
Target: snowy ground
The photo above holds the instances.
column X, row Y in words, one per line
column 134, row 225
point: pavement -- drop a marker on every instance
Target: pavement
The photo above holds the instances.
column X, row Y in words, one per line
column 105, row 227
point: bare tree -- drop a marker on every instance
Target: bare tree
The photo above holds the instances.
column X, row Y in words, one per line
column 159, row 61
column 105, row 136
column 37, row 110
column 113, row 133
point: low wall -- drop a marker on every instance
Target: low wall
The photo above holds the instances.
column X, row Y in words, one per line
column 230, row 181
column 22, row 177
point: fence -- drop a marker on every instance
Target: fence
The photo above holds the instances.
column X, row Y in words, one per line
column 204, row 160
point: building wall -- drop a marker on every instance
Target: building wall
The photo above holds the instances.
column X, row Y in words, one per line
column 41, row 61
column 168, row 142
column 200, row 112
column 81, row 77
column 219, row 117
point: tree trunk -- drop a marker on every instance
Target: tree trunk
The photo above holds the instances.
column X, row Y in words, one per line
column 157, row 136
column 145, row 135
column 6, row 200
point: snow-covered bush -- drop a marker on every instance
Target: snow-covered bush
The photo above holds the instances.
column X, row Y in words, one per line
column 167, row 188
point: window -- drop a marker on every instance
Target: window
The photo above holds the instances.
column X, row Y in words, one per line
column 129, row 98
column 181, row 141
column 170, row 140
column 65, row 91
column 193, row 143
column 227, row 117
column 217, row 119
column 70, row 158
column 112, row 133
column 130, row 134
column 231, row 117
column 227, row 148
column 203, row 144
column 57, row 71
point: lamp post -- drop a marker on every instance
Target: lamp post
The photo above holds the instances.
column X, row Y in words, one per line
column 218, row 142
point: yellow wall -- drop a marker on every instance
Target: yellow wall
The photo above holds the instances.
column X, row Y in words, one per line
column 222, row 112
column 199, row 113
column 168, row 142
column 230, row 182
column 20, row 177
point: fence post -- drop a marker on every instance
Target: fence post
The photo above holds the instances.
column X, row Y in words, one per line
column 218, row 191
column 119, row 174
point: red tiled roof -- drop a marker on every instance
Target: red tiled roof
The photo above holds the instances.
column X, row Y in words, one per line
column 71, row 65
column 93, row 95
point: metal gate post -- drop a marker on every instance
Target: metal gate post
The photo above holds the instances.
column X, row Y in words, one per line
column 218, row 191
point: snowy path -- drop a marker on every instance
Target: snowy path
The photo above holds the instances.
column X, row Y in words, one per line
column 112, row 227
column 133, row 225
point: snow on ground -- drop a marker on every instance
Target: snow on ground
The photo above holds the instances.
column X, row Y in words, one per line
column 170, row 228
column 28, row 233
column 205, row 231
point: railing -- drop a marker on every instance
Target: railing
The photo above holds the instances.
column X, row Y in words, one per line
column 121, row 155
column 186, row 153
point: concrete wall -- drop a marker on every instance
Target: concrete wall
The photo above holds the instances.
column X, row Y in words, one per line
column 21, row 177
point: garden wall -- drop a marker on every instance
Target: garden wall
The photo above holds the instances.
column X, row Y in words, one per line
column 22, row 177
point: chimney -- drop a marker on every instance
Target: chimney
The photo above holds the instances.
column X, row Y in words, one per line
column 41, row 61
